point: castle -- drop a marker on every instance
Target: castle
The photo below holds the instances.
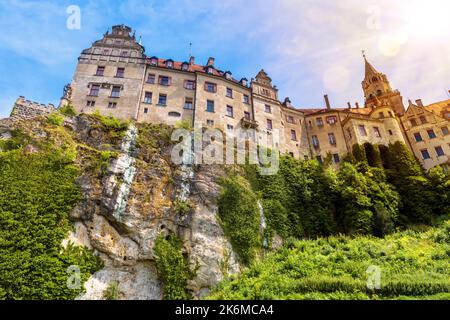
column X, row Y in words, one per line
column 116, row 77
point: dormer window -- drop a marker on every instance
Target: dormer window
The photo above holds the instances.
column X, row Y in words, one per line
column 228, row 75
column 169, row 64
column 154, row 61
column 209, row 70
column 244, row 82
column 185, row 66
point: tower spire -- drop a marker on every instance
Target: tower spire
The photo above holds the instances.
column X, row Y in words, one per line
column 370, row 69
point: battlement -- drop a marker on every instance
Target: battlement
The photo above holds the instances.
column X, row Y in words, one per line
column 26, row 109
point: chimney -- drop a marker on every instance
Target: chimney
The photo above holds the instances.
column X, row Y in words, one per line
column 349, row 105
column 327, row 102
column 192, row 60
column 211, row 62
column 419, row 102
column 357, row 105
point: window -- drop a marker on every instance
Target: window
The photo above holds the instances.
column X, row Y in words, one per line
column 210, row 106
column 376, row 132
column 189, row 85
column 425, row 154
column 115, row 92
column 185, row 67
column 95, row 90
column 290, row 119
column 210, row 87
column 230, row 127
column 390, row 114
column 336, row 158
column 418, row 137
column 332, row 120
column 100, row 71
column 319, row 122
column 189, row 103
column 332, row 139
column 246, row 99
column 413, row 122
column 164, row 81
column 315, row 142
column 112, row 105
column 423, row 119
column 210, row 123
column 162, row 101
column 267, row 109
column 230, row 111
column 293, row 135
column 209, row 70
column 146, row 110
column 148, row 97
column 151, row 79
column 169, row 64
column 381, row 115
column 90, row 103
column 362, row 130
column 124, row 53
column 154, row 61
column 269, row 124
column 391, row 133
column 439, row 151
column 319, row 159
column 445, row 131
column 247, row 115
column 174, row 114
column 431, row 134
column 266, row 92
column 120, row 73
column 229, row 93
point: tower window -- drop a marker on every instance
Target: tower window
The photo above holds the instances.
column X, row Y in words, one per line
column 120, row 73
column 100, row 71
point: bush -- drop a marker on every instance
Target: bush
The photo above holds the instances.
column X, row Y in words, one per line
column 112, row 291
column 173, row 268
column 68, row 110
column 56, row 119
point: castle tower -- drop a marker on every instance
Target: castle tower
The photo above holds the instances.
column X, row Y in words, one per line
column 378, row 90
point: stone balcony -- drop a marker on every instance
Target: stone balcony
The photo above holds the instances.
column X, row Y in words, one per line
column 249, row 123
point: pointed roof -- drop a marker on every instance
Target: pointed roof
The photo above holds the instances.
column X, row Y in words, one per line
column 370, row 70
column 263, row 75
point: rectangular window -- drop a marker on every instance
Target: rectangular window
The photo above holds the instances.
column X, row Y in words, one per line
column 376, row 132
column 423, row 119
column 319, row 122
column 120, row 73
column 210, row 87
column 148, row 97
column 418, row 137
column 293, row 135
column 290, row 119
column 210, row 123
column 230, row 111
column 336, row 158
column 100, row 71
column 425, row 154
column 151, row 79
column 445, row 131
column 319, row 159
column 90, row 103
column 381, row 115
column 315, row 142
column 112, row 105
column 95, row 90
column 391, row 133
column 247, row 115
column 115, row 92
column 267, row 109
column 332, row 120
column 332, row 139
column 189, row 85
column 229, row 93
column 362, row 130
column 269, row 124
column 145, row 110
column 439, row 151
column 162, row 101
column 431, row 134
column 210, row 106
column 189, row 103
column 413, row 122
column 230, row 127
column 164, row 81
column 246, row 99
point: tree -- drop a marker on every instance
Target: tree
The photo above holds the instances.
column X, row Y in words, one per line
column 373, row 155
column 359, row 153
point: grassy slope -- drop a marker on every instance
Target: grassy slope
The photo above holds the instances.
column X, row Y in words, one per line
column 414, row 265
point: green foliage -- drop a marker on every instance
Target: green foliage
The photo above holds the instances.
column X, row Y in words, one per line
column 114, row 127
column 373, row 155
column 173, row 269
column 37, row 193
column 240, row 219
column 413, row 266
column 359, row 153
column 56, row 119
column 112, row 291
column 68, row 110
column 18, row 140
column 184, row 124
column 181, row 208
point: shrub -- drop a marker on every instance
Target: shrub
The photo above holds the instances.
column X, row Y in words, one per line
column 56, row 119
column 181, row 208
column 68, row 110
column 112, row 291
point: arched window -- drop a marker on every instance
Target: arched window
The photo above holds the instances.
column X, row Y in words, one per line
column 174, row 114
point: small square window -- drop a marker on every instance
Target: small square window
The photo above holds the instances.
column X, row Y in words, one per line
column 90, row 103
column 112, row 105
column 210, row 123
column 189, row 85
column 413, row 122
column 210, row 87
column 146, row 110
column 423, row 119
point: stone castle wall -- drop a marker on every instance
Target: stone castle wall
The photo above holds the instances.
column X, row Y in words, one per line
column 26, row 109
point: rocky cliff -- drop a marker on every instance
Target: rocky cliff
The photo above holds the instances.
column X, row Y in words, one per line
column 132, row 195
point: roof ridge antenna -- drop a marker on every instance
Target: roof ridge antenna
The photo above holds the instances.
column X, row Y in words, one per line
column 190, row 50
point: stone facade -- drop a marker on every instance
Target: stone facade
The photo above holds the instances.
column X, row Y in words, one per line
column 115, row 77
column 26, row 109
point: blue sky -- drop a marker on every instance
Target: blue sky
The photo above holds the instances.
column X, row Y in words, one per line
column 308, row 47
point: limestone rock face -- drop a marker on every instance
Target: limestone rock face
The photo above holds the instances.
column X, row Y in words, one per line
column 131, row 204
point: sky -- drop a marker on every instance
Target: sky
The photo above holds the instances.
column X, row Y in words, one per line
column 308, row 47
